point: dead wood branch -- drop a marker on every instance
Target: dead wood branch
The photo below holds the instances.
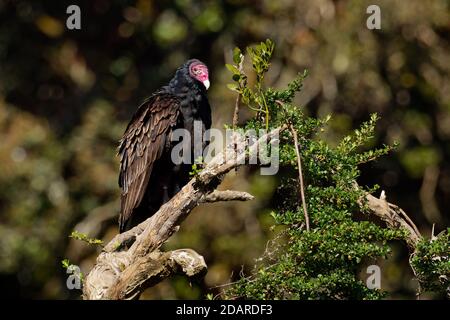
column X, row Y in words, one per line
column 216, row 196
column 227, row 195
column 154, row 268
column 394, row 217
column 300, row 175
column 124, row 271
column 238, row 98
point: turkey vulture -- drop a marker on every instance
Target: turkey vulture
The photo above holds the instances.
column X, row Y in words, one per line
column 148, row 178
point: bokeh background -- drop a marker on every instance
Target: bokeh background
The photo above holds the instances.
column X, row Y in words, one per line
column 66, row 96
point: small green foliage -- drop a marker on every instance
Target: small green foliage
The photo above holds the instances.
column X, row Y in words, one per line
column 323, row 263
column 196, row 167
column 286, row 96
column 253, row 97
column 209, row 296
column 117, row 245
column 431, row 262
column 65, row 263
column 260, row 57
column 195, row 170
column 83, row 237
column 237, row 56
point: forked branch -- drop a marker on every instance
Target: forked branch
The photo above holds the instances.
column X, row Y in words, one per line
column 131, row 261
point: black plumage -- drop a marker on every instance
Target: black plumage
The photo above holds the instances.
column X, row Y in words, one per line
column 148, row 178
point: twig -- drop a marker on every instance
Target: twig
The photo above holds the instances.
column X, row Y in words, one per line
column 405, row 216
column 236, row 109
column 93, row 225
column 300, row 175
column 299, row 164
column 238, row 98
column 227, row 195
column 225, row 285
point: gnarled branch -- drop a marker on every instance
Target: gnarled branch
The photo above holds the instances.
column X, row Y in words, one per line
column 131, row 261
column 394, row 217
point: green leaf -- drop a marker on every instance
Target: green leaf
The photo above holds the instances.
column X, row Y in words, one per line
column 83, row 237
column 237, row 56
column 65, row 263
column 232, row 68
column 233, row 87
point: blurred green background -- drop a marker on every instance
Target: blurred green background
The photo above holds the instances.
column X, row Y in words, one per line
column 66, row 96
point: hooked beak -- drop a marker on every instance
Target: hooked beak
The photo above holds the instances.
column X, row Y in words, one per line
column 206, row 84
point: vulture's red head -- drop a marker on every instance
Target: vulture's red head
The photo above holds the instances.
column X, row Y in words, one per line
column 199, row 72
column 191, row 76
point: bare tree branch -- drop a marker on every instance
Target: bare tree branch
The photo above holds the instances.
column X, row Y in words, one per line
column 154, row 268
column 131, row 261
column 299, row 165
column 227, row 195
column 238, row 98
column 394, row 217
column 300, row 175
column 216, row 196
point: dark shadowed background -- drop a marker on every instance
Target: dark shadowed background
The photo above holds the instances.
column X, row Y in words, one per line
column 66, row 96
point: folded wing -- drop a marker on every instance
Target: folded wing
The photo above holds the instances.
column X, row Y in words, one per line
column 146, row 138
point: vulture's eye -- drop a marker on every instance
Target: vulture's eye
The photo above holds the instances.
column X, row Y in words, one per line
column 196, row 71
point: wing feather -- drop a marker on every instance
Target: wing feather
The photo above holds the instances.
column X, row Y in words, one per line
column 141, row 146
